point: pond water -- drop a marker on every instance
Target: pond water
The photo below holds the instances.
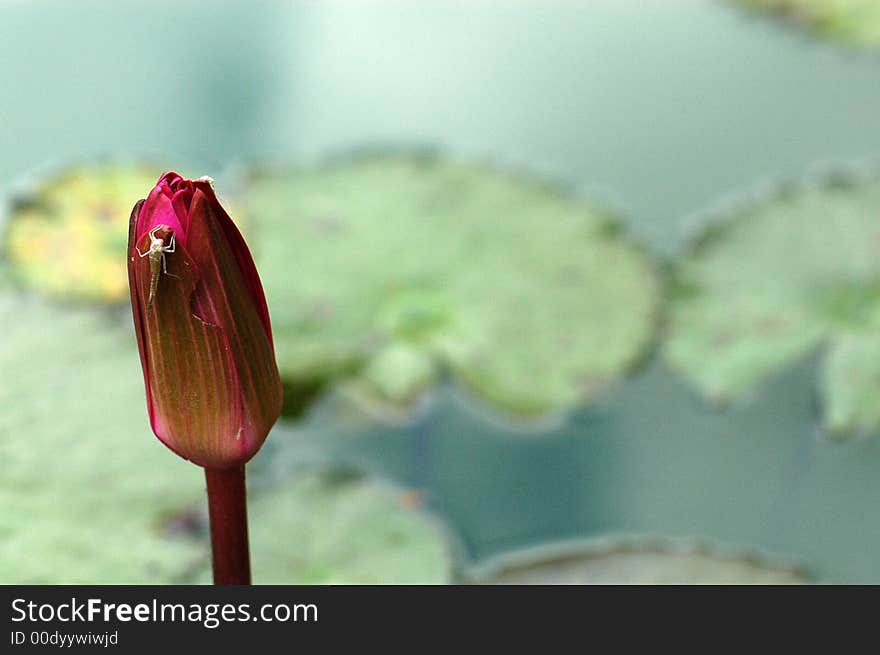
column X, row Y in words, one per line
column 652, row 460
column 660, row 109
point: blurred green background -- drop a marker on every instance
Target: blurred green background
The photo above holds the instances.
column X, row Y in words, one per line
column 563, row 291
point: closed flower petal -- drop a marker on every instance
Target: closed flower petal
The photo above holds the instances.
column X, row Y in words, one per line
column 202, row 325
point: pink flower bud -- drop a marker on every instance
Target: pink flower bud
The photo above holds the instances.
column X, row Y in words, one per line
column 202, row 325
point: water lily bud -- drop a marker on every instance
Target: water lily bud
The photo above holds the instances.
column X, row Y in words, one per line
column 202, row 325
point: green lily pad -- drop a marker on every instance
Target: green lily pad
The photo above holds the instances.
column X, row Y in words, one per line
column 851, row 382
column 336, row 529
column 638, row 563
column 776, row 279
column 852, row 21
column 388, row 271
column 85, row 487
column 89, row 495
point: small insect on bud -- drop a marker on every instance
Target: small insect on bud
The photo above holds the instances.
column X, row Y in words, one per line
column 202, row 325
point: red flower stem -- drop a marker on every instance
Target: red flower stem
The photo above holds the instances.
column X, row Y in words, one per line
column 227, row 510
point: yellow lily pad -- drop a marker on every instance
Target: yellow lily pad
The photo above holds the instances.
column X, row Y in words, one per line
column 67, row 236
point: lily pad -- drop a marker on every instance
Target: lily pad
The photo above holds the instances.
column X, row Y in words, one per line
column 778, row 278
column 639, row 562
column 86, row 489
column 65, row 234
column 340, row 529
column 852, row 21
column 386, row 271
column 89, row 495
column 851, row 382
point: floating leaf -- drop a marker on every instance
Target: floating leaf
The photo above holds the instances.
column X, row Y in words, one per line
column 86, row 490
column 387, row 271
column 853, row 21
column 851, row 383
column 64, row 237
column 775, row 280
column 638, row 563
column 333, row 529
column 89, row 496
